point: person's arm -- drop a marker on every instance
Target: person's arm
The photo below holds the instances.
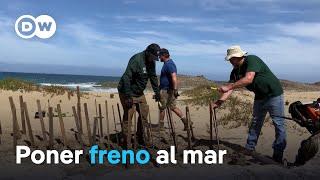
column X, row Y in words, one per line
column 222, row 99
column 127, row 77
column 225, row 96
column 243, row 82
column 174, row 80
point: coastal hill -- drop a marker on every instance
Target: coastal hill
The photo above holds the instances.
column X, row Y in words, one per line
column 184, row 82
column 298, row 86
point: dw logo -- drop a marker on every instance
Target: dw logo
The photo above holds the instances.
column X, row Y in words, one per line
column 43, row 26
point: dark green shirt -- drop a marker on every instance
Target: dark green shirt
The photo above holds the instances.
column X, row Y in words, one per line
column 265, row 84
column 134, row 80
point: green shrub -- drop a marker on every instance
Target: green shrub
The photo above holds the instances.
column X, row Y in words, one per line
column 200, row 95
column 17, row 84
column 238, row 112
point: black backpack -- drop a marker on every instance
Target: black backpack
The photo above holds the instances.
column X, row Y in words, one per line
column 299, row 113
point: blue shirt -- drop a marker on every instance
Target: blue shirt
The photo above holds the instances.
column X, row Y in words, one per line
column 165, row 78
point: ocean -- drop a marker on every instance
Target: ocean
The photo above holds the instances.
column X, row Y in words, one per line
column 85, row 82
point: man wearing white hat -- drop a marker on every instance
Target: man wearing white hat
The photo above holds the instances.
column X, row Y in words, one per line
column 251, row 72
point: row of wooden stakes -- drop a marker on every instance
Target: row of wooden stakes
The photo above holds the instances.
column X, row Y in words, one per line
column 48, row 136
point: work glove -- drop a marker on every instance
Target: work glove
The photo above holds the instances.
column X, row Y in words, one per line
column 176, row 93
column 129, row 102
column 157, row 97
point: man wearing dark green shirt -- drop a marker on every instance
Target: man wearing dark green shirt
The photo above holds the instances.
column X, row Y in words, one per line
column 140, row 69
column 251, row 72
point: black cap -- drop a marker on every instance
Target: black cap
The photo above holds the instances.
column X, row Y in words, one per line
column 153, row 49
column 163, row 51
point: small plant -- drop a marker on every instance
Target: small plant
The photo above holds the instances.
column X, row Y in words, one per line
column 201, row 95
column 239, row 113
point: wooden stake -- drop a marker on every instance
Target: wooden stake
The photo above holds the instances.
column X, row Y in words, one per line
column 211, row 123
column 172, row 129
column 28, row 124
column 96, row 106
column 50, row 127
column 188, row 129
column 169, row 127
column 43, row 128
column 100, row 122
column 23, row 119
column 63, row 131
column 216, row 128
column 159, row 122
column 79, row 111
column 150, row 126
column 190, row 124
column 14, row 123
column 115, row 124
column 107, row 121
column 94, row 131
column 135, row 128
column 88, row 123
column 120, row 119
column 77, row 124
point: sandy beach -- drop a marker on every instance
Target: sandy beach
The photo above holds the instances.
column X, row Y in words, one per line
column 199, row 116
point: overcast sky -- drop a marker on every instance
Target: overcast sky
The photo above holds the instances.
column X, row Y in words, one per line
column 105, row 34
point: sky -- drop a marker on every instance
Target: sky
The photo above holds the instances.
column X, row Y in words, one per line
column 99, row 37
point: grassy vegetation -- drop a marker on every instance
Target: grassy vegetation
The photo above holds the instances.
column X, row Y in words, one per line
column 109, row 84
column 22, row 85
column 200, row 95
column 238, row 112
column 17, row 84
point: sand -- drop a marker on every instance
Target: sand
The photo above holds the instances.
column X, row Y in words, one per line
column 199, row 115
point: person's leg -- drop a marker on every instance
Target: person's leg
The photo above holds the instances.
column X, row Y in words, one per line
column 172, row 103
column 162, row 107
column 259, row 114
column 276, row 110
column 143, row 111
column 178, row 112
column 161, row 120
column 126, row 116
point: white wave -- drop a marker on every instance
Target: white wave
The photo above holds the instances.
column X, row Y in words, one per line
column 91, row 86
column 104, row 90
column 73, row 85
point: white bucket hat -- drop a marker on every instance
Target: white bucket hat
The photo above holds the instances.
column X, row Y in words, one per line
column 234, row 51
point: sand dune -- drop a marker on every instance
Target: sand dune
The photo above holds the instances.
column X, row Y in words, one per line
column 199, row 116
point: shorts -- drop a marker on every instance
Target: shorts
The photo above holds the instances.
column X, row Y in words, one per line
column 167, row 99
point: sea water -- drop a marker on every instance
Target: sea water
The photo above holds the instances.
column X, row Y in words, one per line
column 85, row 82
